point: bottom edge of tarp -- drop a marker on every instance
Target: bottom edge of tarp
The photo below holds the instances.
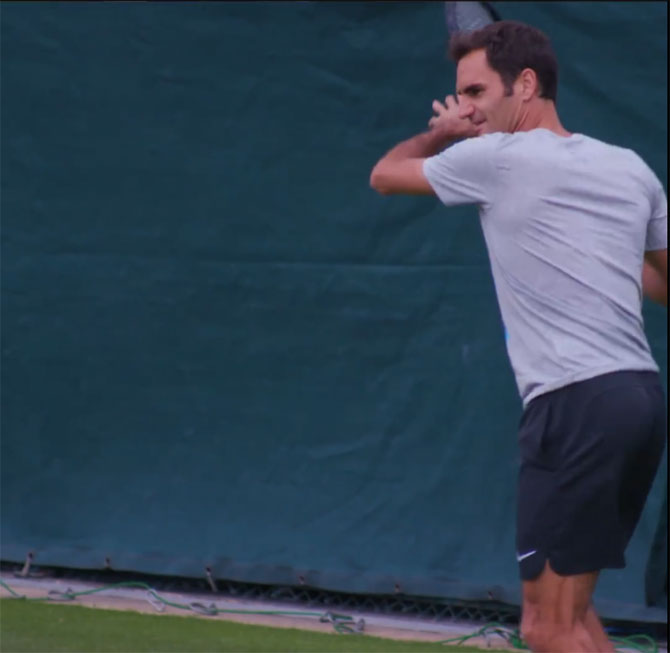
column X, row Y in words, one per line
column 431, row 588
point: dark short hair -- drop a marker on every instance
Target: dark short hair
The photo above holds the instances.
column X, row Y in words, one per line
column 510, row 48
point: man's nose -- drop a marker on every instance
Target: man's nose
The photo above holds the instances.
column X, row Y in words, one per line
column 465, row 109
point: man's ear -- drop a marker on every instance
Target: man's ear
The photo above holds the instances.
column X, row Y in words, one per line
column 527, row 84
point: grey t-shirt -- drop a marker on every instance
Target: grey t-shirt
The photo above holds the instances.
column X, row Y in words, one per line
column 566, row 222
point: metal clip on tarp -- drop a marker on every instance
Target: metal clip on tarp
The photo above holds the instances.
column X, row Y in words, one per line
column 25, row 571
column 210, row 580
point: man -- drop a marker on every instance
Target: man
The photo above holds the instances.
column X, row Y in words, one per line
column 575, row 230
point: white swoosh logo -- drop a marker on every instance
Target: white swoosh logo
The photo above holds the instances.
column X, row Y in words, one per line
column 523, row 556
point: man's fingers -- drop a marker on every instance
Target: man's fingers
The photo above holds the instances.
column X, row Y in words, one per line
column 438, row 107
column 450, row 102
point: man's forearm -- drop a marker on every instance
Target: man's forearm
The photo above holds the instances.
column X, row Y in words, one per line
column 399, row 170
column 419, row 146
column 654, row 285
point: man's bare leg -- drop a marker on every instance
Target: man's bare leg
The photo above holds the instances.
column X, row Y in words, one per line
column 554, row 612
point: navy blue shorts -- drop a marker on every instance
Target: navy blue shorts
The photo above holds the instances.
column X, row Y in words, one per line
column 589, row 455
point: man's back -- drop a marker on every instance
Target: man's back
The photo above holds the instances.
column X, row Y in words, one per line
column 566, row 222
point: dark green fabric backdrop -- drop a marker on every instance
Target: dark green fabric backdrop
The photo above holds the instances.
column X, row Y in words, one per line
column 220, row 347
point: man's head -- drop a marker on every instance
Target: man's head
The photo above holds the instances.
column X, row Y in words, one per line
column 503, row 70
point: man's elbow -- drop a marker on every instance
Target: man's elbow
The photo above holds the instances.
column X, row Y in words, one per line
column 400, row 178
column 378, row 182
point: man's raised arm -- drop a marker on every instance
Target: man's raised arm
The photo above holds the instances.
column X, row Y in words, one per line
column 401, row 169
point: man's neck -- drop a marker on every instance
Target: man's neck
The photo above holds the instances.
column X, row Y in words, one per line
column 543, row 115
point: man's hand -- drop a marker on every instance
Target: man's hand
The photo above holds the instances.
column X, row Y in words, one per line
column 448, row 121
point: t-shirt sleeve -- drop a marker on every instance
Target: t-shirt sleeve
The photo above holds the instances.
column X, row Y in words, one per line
column 462, row 174
column 657, row 227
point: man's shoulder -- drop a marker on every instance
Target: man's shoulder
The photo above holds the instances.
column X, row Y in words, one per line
column 613, row 150
column 486, row 143
column 627, row 159
column 485, row 140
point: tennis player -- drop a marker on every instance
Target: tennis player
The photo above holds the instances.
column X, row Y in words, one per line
column 576, row 230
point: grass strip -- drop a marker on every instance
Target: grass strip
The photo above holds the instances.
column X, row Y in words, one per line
column 37, row 627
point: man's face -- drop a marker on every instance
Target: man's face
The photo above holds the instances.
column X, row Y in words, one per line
column 481, row 95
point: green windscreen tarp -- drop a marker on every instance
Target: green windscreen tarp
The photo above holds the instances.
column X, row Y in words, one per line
column 221, row 348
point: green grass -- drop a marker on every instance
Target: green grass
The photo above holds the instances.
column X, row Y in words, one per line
column 44, row 627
